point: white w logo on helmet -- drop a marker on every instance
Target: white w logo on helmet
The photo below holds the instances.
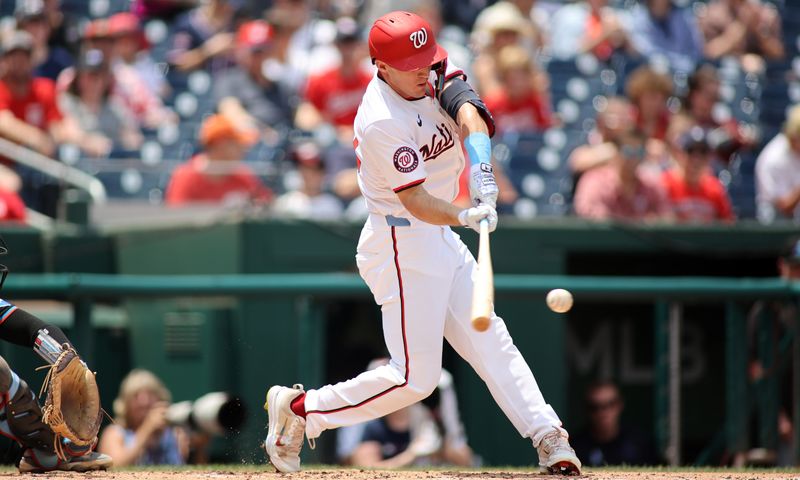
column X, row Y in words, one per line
column 419, row 38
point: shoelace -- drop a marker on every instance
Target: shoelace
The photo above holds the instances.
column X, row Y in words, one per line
column 554, row 441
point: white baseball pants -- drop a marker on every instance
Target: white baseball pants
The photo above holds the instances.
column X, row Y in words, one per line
column 422, row 277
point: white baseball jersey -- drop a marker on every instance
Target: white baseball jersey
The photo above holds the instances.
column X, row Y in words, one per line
column 402, row 143
column 421, row 276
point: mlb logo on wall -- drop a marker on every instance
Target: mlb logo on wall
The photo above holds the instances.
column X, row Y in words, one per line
column 405, row 159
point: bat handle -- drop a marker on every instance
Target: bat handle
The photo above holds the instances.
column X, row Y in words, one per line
column 484, row 226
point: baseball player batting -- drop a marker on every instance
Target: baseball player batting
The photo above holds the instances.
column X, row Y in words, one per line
column 21, row 417
column 413, row 118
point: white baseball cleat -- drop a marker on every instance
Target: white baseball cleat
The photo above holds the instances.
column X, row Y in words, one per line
column 286, row 430
column 556, row 457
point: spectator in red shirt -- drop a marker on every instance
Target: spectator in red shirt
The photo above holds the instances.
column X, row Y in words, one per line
column 518, row 106
column 28, row 111
column 621, row 190
column 217, row 173
column 333, row 96
column 695, row 193
column 331, row 99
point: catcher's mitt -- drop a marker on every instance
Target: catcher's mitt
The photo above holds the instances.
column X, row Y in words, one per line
column 72, row 408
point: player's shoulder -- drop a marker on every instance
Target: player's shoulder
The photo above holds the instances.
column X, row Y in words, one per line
column 377, row 107
column 381, row 130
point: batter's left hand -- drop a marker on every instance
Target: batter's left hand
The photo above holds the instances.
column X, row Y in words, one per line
column 482, row 186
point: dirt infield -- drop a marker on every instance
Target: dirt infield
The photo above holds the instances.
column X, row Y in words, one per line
column 343, row 474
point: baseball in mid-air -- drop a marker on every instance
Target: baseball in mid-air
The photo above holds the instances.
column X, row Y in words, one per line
column 559, row 300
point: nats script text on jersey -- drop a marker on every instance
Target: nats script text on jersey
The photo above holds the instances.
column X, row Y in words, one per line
column 402, row 143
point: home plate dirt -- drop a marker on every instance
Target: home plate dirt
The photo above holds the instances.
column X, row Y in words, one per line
column 345, row 474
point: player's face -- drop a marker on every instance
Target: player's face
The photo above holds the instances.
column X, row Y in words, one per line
column 411, row 84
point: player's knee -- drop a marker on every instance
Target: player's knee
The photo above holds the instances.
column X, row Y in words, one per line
column 5, row 375
column 425, row 383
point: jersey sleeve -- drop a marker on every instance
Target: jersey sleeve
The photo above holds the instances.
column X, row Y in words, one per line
column 21, row 328
column 397, row 159
column 453, row 70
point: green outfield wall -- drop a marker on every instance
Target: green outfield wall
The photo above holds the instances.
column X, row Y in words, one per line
column 245, row 343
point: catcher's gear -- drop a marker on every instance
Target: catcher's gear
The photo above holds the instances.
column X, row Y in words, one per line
column 23, row 412
column 405, row 41
column 72, row 408
column 36, row 461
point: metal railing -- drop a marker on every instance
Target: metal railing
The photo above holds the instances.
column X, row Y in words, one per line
column 668, row 295
column 55, row 169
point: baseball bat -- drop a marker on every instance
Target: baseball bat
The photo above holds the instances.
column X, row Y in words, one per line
column 483, row 290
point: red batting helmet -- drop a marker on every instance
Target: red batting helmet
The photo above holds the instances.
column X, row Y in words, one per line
column 404, row 41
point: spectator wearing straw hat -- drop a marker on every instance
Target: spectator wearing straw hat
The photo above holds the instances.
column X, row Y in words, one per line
column 217, row 174
column 496, row 27
column 518, row 106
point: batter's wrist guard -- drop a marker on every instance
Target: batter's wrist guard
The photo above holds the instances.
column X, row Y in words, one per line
column 457, row 93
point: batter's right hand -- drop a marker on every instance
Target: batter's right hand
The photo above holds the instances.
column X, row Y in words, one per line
column 472, row 217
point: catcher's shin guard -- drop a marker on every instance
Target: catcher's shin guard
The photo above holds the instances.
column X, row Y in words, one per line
column 23, row 414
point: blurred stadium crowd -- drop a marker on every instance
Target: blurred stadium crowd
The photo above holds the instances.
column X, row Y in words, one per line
column 663, row 110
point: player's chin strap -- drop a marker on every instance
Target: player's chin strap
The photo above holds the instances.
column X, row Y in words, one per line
column 440, row 69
